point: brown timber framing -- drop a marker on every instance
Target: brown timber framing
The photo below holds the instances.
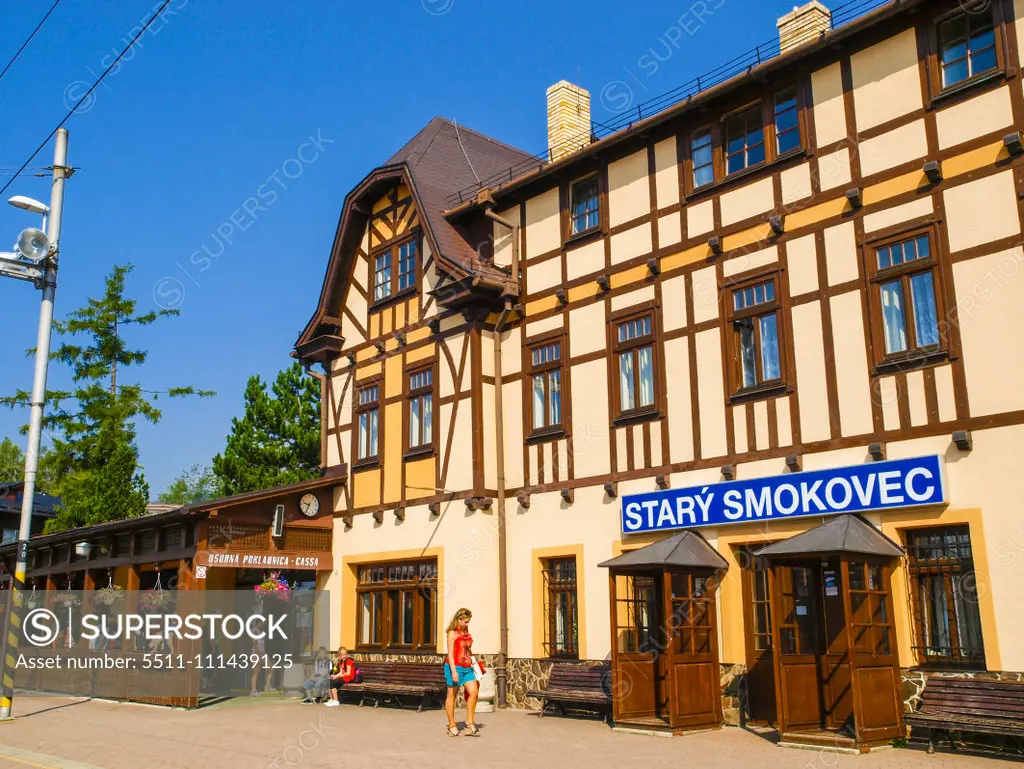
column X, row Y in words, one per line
column 814, row 213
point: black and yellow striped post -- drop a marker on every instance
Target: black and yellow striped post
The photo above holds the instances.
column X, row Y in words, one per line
column 12, row 636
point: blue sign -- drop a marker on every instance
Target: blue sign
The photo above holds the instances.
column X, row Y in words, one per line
column 898, row 483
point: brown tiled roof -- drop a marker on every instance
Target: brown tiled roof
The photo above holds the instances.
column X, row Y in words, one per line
column 445, row 157
column 437, row 161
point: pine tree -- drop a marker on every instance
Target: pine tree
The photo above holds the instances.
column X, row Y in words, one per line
column 95, row 459
column 277, row 440
column 193, row 485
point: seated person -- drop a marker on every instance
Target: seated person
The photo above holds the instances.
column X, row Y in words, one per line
column 343, row 672
column 317, row 686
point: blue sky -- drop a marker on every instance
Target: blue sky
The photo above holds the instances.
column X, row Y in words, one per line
column 223, row 97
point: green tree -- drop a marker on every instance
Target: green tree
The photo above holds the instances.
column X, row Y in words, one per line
column 194, row 485
column 95, row 458
column 12, row 465
column 12, row 461
column 277, row 440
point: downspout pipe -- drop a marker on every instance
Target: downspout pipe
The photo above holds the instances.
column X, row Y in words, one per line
column 510, row 292
column 322, row 378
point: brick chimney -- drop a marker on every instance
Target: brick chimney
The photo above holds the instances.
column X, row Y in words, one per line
column 803, row 25
column 568, row 119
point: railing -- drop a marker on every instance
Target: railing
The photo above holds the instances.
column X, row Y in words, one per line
column 760, row 54
column 229, row 536
column 314, row 540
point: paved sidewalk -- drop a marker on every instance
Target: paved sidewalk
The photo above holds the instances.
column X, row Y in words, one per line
column 63, row 733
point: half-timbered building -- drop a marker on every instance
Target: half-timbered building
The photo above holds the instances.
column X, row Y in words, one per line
column 814, row 265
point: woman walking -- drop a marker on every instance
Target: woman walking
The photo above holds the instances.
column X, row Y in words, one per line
column 458, row 671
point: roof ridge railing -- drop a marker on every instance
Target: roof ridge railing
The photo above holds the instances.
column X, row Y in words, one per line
column 744, row 62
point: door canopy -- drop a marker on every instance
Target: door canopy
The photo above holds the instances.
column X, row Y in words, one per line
column 686, row 550
column 848, row 534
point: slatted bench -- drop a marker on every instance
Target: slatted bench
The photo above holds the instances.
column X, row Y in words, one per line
column 391, row 681
column 951, row 705
column 577, row 687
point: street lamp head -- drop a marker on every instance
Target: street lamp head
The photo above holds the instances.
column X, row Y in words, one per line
column 33, row 245
column 29, row 204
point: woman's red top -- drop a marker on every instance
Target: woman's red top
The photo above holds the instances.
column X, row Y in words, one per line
column 346, row 671
column 464, row 650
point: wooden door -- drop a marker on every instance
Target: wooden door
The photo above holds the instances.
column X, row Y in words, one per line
column 796, row 619
column 637, row 625
column 758, row 700
column 874, row 660
column 837, row 694
column 691, row 660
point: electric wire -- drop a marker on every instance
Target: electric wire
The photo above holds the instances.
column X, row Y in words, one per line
column 25, row 44
column 87, row 94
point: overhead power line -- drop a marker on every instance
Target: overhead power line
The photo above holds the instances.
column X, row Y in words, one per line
column 25, row 44
column 87, row 94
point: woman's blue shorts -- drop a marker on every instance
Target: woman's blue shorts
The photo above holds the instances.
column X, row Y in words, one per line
column 465, row 675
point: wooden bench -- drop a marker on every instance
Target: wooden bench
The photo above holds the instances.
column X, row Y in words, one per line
column 950, row 705
column 576, row 687
column 391, row 681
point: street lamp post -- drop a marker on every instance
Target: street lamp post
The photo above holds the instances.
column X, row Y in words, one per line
column 44, row 274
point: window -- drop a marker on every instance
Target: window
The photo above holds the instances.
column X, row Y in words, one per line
column 744, row 140
column 421, row 409
column 546, row 386
column 584, row 210
column 9, row 536
column 702, row 158
column 386, row 281
column 755, row 322
column 870, row 610
column 395, row 604
column 967, row 46
column 944, row 597
column 634, row 344
column 368, row 418
column 787, row 122
column 406, row 265
column 692, row 614
column 382, row 276
column 561, row 631
column 906, row 296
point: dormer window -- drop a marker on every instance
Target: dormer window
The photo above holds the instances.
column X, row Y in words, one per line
column 387, row 281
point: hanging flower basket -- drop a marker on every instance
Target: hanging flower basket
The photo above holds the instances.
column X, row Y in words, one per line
column 276, row 586
column 108, row 596
column 155, row 600
column 66, row 599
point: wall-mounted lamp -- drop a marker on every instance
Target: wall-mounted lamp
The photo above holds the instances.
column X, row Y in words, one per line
column 603, row 283
column 434, row 324
column 562, row 296
column 351, row 359
column 729, row 472
column 399, row 513
column 520, row 310
column 400, row 338
column 854, row 197
column 962, row 440
column 378, row 516
column 653, row 266
column 793, row 463
column 777, row 223
column 379, row 344
column 435, row 509
column 611, row 488
column 933, row 170
column 662, row 481
column 1012, row 142
column 715, row 244
column 524, row 500
column 347, row 520
column 877, row 451
column 568, row 496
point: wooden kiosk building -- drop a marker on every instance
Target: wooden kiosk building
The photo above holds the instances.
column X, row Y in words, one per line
column 836, row 673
